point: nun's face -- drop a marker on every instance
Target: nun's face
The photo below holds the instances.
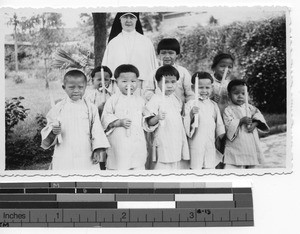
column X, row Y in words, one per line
column 128, row 22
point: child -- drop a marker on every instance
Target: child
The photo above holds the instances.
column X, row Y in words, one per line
column 242, row 148
column 96, row 94
column 163, row 116
column 219, row 94
column 122, row 121
column 74, row 127
column 210, row 129
column 168, row 50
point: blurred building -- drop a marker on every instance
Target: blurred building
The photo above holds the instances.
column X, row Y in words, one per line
column 183, row 20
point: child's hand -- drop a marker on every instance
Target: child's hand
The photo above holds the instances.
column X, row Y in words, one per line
column 97, row 156
column 161, row 115
column 252, row 127
column 246, row 120
column 217, row 98
column 56, row 128
column 125, row 123
column 195, row 110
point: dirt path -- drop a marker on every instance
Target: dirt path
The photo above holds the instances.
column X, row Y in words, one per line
column 274, row 147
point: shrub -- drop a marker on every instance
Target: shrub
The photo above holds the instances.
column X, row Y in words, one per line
column 260, row 51
column 14, row 112
column 26, row 152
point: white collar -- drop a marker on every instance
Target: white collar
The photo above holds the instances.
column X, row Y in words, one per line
column 128, row 34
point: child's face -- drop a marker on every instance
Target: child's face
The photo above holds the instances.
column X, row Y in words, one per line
column 237, row 95
column 170, row 84
column 75, row 87
column 128, row 22
column 204, row 88
column 220, row 68
column 168, row 57
column 97, row 80
column 125, row 79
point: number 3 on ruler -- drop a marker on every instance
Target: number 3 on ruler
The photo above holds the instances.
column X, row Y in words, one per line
column 192, row 215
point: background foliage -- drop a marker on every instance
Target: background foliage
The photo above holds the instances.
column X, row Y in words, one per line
column 259, row 48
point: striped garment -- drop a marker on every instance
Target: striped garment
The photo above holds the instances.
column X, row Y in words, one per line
column 243, row 148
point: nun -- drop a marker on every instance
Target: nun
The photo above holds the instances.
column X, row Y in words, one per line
column 128, row 45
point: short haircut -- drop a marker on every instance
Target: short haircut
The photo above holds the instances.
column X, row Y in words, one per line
column 98, row 69
column 168, row 44
column 234, row 83
column 202, row 76
column 219, row 57
column 74, row 73
column 124, row 68
column 166, row 70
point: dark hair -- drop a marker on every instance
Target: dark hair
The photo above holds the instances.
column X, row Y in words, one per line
column 74, row 73
column 98, row 69
column 126, row 68
column 166, row 70
column 116, row 28
column 202, row 76
column 219, row 57
column 168, row 44
column 234, row 83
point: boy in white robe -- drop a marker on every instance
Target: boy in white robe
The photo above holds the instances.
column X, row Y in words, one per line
column 74, row 127
column 122, row 121
column 219, row 92
column 168, row 50
column 163, row 116
column 98, row 94
column 242, row 148
column 205, row 134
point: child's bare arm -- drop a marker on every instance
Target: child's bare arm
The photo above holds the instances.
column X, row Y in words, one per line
column 125, row 123
column 153, row 120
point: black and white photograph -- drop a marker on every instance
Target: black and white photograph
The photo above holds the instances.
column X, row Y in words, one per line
column 130, row 116
column 167, row 91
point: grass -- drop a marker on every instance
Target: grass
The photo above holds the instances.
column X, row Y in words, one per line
column 36, row 100
column 275, row 119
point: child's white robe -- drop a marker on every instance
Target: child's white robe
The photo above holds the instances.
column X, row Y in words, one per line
column 128, row 147
column 202, row 139
column 170, row 142
column 81, row 132
column 243, row 148
column 224, row 99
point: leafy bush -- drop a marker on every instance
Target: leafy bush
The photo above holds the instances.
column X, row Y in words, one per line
column 260, row 51
column 14, row 112
column 25, row 152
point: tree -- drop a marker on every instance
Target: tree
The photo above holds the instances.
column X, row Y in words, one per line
column 151, row 21
column 46, row 33
column 213, row 21
column 15, row 22
column 100, row 33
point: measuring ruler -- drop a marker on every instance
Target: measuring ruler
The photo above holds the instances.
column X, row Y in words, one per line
column 113, row 204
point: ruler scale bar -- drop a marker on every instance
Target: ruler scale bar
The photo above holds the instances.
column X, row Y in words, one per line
column 122, row 204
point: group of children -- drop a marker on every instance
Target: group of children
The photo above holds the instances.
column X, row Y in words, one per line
column 180, row 122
